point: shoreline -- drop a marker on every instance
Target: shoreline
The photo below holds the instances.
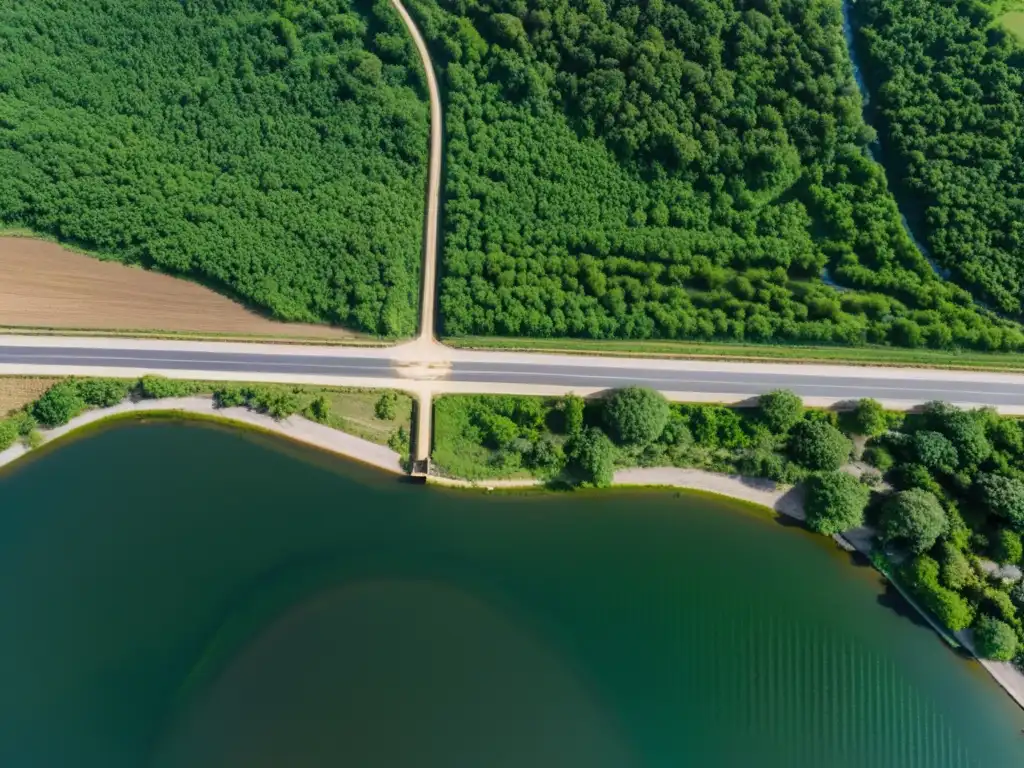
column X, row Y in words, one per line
column 783, row 500
column 296, row 428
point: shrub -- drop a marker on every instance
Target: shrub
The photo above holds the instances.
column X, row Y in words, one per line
column 1008, row 435
column 921, row 575
column 818, row 446
column 998, row 603
column 24, row 421
column 58, row 405
column 1017, row 595
column 869, row 418
column 780, row 410
column 229, row 397
column 399, row 442
column 964, row 429
column 573, row 408
column 934, row 451
column 909, row 476
column 546, row 456
column 835, row 502
column 593, row 456
column 635, row 415
column 994, row 639
column 8, row 434
column 386, row 406
column 499, row 430
column 281, row 405
column 1002, row 496
column 956, row 571
column 320, row 409
column 1008, row 548
column 914, row 518
column 878, row 457
column 103, row 393
column 156, row 387
column 761, row 463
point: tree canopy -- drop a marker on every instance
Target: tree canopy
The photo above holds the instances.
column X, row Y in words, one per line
column 914, row 518
column 1002, row 496
column 948, row 87
column 276, row 151
column 869, row 417
column 635, row 415
column 592, row 455
column 673, row 169
column 817, row 445
column 995, row 639
column 835, row 502
column 780, row 410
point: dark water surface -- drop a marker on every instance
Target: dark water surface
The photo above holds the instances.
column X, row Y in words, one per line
column 182, row 595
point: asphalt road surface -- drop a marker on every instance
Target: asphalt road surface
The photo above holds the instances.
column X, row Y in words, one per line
column 560, row 371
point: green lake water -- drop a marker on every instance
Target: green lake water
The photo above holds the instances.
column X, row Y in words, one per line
column 182, row 595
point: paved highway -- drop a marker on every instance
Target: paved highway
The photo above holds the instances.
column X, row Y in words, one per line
column 463, row 370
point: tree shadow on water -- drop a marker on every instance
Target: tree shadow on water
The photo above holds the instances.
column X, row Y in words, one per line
column 895, row 602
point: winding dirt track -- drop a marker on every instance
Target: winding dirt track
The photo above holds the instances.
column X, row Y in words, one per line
column 431, row 225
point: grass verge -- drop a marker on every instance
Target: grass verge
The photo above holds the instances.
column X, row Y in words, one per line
column 379, row 416
column 885, row 356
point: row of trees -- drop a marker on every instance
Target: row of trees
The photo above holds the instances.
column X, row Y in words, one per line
column 275, row 151
column 949, row 88
column 675, row 170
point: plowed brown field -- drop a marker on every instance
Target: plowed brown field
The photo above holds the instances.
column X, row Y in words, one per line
column 16, row 391
column 45, row 286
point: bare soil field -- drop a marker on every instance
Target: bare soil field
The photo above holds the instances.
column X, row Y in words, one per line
column 42, row 285
column 16, row 391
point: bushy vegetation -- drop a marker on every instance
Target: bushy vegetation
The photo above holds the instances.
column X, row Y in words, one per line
column 995, row 639
column 635, row 415
column 484, row 436
column 276, row 150
column 835, row 502
column 915, row 519
column 947, row 84
column 350, row 410
column 677, row 170
column 958, row 480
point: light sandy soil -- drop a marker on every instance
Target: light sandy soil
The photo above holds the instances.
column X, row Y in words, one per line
column 45, row 286
column 16, row 391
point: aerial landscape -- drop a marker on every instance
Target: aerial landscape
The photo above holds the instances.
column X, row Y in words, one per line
column 512, row 382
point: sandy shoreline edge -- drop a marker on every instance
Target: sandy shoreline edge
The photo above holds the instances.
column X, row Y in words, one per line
column 294, row 427
column 783, row 500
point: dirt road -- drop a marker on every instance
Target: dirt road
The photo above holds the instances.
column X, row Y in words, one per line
column 431, row 225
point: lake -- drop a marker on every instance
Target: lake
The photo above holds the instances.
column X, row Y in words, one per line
column 179, row 594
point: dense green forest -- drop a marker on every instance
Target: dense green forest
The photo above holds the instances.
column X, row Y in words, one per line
column 948, row 84
column 275, row 149
column 673, row 169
